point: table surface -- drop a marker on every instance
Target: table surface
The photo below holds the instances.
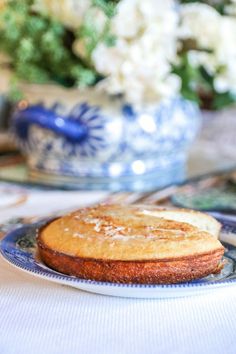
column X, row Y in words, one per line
column 37, row 316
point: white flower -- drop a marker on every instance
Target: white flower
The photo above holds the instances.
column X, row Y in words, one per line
column 139, row 65
column 69, row 12
column 215, row 38
column 127, row 26
column 231, row 9
column 201, row 22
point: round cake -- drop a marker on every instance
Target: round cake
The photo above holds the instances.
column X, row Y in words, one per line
column 132, row 244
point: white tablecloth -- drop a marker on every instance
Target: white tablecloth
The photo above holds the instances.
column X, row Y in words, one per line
column 37, row 316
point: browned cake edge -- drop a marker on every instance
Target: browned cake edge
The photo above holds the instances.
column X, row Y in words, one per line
column 164, row 271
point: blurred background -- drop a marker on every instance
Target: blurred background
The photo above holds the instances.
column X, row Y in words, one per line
column 116, row 95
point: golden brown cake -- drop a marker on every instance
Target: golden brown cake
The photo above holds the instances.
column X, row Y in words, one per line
column 132, row 244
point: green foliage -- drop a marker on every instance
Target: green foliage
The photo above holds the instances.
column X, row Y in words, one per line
column 14, row 93
column 38, row 49
column 197, row 85
column 91, row 36
column 107, row 6
column 222, row 100
column 190, row 77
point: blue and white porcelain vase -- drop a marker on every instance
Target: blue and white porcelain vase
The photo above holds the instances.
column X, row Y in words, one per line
column 97, row 141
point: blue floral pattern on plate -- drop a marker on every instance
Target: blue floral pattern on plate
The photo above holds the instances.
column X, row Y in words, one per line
column 19, row 248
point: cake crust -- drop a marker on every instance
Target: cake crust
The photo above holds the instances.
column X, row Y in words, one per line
column 172, row 252
column 132, row 272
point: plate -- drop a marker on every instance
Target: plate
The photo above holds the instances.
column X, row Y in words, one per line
column 19, row 249
column 211, row 192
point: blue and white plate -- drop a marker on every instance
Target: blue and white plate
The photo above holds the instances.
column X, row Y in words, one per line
column 19, row 248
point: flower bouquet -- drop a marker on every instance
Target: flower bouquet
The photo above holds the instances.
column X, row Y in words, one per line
column 132, row 72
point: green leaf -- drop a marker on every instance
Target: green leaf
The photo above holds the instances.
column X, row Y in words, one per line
column 38, row 49
column 84, row 77
column 14, row 93
column 222, row 100
column 108, row 7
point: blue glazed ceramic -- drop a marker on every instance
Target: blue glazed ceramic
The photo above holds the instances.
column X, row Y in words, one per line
column 101, row 138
